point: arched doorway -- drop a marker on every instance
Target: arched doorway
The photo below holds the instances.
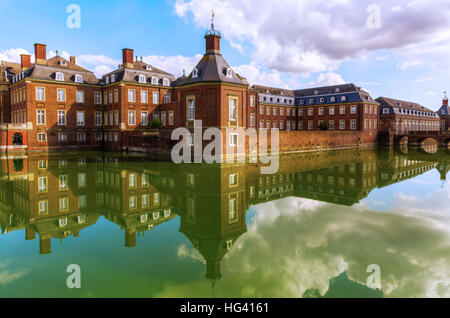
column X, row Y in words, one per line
column 17, row 139
column 18, row 164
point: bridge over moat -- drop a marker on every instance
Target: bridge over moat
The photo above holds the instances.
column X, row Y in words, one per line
column 415, row 138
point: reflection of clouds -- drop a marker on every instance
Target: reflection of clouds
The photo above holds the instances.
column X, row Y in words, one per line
column 7, row 276
column 185, row 252
column 303, row 249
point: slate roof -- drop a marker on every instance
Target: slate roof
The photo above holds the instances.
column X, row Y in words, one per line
column 397, row 103
column 56, row 65
column 213, row 68
column 140, row 68
column 444, row 110
column 273, row 91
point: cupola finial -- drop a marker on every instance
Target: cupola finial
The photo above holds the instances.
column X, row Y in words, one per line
column 212, row 19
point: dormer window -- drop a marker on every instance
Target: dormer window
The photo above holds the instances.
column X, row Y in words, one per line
column 63, row 63
column 302, row 101
column 229, row 72
column 322, row 100
column 166, row 82
column 113, row 78
column 107, row 79
column 316, row 92
column 142, row 79
column 311, row 101
column 337, row 90
column 78, row 78
column 59, row 76
column 343, row 98
column 148, row 68
column 154, row 80
column 194, row 73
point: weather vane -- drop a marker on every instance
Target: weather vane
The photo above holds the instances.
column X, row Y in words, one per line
column 212, row 19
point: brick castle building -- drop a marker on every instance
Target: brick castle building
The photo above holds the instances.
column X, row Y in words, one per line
column 56, row 104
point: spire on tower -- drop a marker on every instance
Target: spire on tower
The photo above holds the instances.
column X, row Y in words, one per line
column 212, row 19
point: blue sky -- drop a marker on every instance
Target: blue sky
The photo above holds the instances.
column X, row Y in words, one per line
column 284, row 43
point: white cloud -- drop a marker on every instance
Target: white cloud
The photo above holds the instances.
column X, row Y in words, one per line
column 326, row 79
column 311, row 36
column 12, row 55
column 174, row 64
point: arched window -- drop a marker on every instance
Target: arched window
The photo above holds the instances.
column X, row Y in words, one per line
column 154, row 81
column 59, row 76
column 195, row 73
column 166, row 82
column 229, row 72
column 148, row 67
column 142, row 79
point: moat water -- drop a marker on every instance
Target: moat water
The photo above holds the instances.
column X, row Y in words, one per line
column 142, row 228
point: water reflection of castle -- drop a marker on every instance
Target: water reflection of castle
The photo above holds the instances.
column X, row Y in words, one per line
column 58, row 195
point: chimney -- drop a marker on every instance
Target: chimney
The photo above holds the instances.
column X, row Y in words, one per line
column 130, row 238
column 45, row 246
column 40, row 53
column 25, row 61
column 73, row 60
column 127, row 56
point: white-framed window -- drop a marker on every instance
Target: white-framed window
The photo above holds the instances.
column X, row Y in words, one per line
column 142, row 79
column 233, row 180
column 42, row 184
column 170, row 118
column 81, row 136
column 80, row 118
column 155, row 98
column 131, row 117
column 43, row 207
column 310, row 124
column 353, row 109
column 386, row 111
column 320, row 111
column 154, row 81
column 252, row 120
column 252, row 101
column 343, row 98
column 59, row 76
column 191, row 109
column 97, row 98
column 107, row 79
column 274, row 111
column 163, row 118
column 63, row 206
column 156, row 198
column 98, row 136
column 331, row 110
column 144, row 118
column 111, row 118
column 131, row 96
column 42, row 137
column 98, row 118
column 331, row 125
column 300, row 112
column 113, row 78
column 116, row 117
column 261, row 110
column 110, row 93
column 40, row 117
column 132, row 203
column 40, row 93
column 61, row 117
column 353, row 124
column 341, row 110
column 132, row 181
column 194, row 73
column 80, row 97
column 81, row 180
column 342, row 124
column 63, row 182
column 310, row 111
column 232, row 108
column 261, row 124
column 78, row 78
column 229, row 72
column 61, row 95
column 167, row 97
column 232, row 215
column 116, row 96
column 233, row 140
column 145, row 201
column 62, row 137
column 166, row 82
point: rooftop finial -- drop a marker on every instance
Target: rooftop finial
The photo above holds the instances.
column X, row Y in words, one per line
column 212, row 19
column 445, row 95
column 184, row 72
